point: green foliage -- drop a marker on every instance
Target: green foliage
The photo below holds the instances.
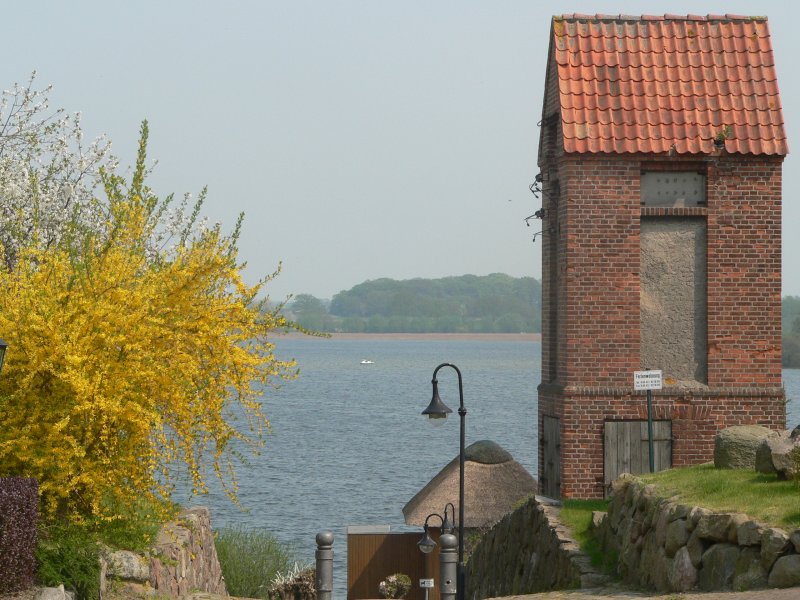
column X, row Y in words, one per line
column 135, row 525
column 309, row 312
column 470, row 304
column 522, row 502
column 466, row 304
column 790, row 357
column 509, row 323
column 69, row 554
column 762, row 497
column 790, row 318
column 111, row 387
column 790, row 312
column 251, row 559
column 577, row 515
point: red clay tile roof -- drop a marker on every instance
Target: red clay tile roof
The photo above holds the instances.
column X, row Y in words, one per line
column 651, row 83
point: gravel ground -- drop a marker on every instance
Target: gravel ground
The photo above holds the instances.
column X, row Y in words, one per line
column 606, row 593
column 28, row 594
column 617, row 593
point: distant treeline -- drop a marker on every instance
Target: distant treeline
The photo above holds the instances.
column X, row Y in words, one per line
column 468, row 304
column 494, row 303
column 790, row 312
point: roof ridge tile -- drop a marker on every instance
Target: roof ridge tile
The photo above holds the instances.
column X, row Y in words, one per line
column 665, row 17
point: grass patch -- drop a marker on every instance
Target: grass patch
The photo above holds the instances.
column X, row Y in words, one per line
column 69, row 554
column 762, row 497
column 250, row 560
column 577, row 515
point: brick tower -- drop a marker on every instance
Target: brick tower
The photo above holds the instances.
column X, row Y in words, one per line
column 660, row 153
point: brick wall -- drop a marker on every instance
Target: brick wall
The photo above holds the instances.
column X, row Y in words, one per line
column 744, row 272
column 591, row 271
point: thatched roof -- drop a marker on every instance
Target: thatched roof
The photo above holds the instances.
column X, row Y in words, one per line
column 493, row 483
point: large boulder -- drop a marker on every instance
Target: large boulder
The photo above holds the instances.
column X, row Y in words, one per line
column 676, row 537
column 54, row 593
column 774, row 544
column 736, row 447
column 786, row 572
column 682, row 573
column 750, row 573
column 128, row 566
column 780, row 454
column 719, row 567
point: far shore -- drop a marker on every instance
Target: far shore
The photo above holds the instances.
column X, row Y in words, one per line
column 485, row 337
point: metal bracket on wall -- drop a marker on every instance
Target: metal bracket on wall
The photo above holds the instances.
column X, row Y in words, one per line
column 542, row 232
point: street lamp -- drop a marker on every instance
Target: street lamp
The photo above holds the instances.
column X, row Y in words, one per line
column 426, row 544
column 439, row 410
column 3, row 348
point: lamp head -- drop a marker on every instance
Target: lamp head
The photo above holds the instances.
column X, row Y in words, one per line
column 426, row 544
column 437, row 410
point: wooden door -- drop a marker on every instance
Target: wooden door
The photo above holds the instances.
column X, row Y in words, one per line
column 626, row 448
column 550, row 479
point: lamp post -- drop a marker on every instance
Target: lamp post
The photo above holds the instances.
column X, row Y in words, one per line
column 3, row 348
column 439, row 410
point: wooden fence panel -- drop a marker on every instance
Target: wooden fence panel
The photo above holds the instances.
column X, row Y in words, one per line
column 371, row 557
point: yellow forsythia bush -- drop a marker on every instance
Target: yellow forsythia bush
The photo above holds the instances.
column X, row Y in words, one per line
column 124, row 363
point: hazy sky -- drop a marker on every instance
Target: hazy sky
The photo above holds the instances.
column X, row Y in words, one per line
column 362, row 139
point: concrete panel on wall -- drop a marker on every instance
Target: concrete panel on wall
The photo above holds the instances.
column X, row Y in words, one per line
column 673, row 189
column 674, row 321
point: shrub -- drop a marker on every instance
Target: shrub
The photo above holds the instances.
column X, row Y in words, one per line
column 790, row 357
column 299, row 583
column 129, row 361
column 18, row 512
column 395, row 586
column 133, row 526
column 69, row 554
column 251, row 559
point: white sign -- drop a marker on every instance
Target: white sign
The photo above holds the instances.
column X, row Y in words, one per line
column 426, row 583
column 647, row 380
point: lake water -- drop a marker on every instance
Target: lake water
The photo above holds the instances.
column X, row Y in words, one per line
column 349, row 446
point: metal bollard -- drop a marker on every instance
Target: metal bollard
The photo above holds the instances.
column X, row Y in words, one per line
column 447, row 566
column 324, row 556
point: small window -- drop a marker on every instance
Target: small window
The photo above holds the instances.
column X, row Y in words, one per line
column 673, row 189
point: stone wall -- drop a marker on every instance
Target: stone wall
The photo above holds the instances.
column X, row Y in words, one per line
column 183, row 560
column 528, row 551
column 668, row 546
